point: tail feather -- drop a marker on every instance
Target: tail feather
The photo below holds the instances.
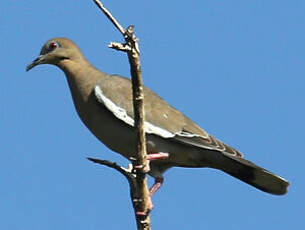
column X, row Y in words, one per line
column 254, row 175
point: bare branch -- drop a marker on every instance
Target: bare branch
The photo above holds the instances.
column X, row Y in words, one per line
column 126, row 172
column 110, row 17
column 143, row 220
column 140, row 195
column 119, row 46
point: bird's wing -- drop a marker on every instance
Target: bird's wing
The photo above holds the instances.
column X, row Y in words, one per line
column 115, row 94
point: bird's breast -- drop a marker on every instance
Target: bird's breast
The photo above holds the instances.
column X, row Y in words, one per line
column 114, row 133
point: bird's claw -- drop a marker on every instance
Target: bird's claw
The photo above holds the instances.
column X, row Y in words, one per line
column 148, row 210
column 144, row 168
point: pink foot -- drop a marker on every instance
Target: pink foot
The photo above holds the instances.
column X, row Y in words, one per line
column 152, row 157
column 157, row 156
column 149, row 208
column 158, row 183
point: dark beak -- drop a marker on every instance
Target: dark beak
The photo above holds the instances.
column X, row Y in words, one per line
column 39, row 60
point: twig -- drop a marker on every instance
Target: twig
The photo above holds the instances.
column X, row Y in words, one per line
column 110, row 17
column 139, row 190
column 126, row 172
column 119, row 46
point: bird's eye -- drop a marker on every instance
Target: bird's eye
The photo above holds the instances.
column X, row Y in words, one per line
column 52, row 46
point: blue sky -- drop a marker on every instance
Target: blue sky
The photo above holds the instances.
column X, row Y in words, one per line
column 235, row 67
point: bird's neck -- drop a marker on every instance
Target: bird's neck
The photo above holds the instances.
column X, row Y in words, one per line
column 81, row 76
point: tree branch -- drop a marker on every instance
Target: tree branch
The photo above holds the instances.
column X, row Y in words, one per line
column 137, row 177
column 109, row 16
column 125, row 172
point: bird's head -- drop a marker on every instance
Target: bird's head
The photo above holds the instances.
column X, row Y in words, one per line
column 56, row 50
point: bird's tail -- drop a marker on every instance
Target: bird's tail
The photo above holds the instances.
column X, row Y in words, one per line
column 254, row 175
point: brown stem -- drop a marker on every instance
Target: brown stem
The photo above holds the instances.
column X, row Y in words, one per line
column 139, row 190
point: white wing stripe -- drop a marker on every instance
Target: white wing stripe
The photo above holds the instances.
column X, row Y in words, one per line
column 121, row 114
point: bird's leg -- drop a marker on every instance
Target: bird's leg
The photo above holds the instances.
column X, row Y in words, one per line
column 154, row 188
column 157, row 156
column 158, row 180
column 152, row 157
